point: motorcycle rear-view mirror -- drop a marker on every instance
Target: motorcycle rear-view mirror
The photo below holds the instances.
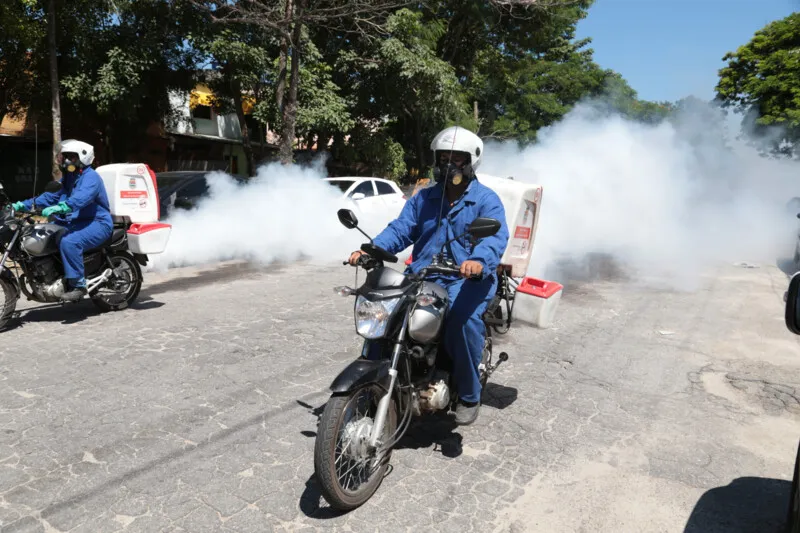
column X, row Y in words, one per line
column 347, row 218
column 52, row 186
column 793, row 305
column 349, row 221
column 484, row 227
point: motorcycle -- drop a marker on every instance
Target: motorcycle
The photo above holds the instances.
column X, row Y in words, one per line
column 34, row 248
column 404, row 315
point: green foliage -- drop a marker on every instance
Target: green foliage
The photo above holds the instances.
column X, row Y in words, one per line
column 383, row 156
column 21, row 37
column 762, row 79
column 380, row 90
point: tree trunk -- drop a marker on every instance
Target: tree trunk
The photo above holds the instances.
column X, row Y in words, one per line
column 55, row 100
column 280, row 88
column 290, row 109
column 418, row 142
column 249, row 164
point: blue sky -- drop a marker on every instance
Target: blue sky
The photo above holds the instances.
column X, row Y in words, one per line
column 669, row 49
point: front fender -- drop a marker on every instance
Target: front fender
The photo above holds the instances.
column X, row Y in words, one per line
column 360, row 372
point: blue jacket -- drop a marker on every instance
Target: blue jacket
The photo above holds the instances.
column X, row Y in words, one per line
column 84, row 193
column 417, row 225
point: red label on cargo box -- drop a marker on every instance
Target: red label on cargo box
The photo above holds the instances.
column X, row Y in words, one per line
column 521, row 232
column 133, row 194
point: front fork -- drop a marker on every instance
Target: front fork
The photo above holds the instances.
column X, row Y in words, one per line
column 8, row 250
column 383, row 405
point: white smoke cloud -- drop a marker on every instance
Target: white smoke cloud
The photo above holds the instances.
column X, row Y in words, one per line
column 667, row 201
column 284, row 213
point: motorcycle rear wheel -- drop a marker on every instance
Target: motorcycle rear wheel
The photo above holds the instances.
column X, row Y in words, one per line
column 332, row 462
column 123, row 290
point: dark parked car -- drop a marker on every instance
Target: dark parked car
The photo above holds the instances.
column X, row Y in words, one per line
column 182, row 189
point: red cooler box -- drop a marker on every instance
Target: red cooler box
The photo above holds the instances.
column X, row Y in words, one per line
column 536, row 301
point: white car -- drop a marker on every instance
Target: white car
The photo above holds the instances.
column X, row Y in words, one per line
column 372, row 196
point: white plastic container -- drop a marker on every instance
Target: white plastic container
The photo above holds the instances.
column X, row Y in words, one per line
column 536, row 301
column 132, row 192
column 148, row 238
column 521, row 202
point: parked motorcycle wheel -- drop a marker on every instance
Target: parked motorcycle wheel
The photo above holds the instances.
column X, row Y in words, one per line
column 486, row 361
column 124, row 285
column 8, row 297
column 340, row 448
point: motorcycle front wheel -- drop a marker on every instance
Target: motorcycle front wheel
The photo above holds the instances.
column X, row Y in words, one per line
column 8, row 300
column 347, row 473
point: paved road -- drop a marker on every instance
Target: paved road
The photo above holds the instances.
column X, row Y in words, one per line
column 642, row 410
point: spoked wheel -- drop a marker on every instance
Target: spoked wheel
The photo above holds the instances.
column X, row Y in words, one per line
column 348, row 474
column 8, row 301
column 499, row 314
column 486, row 360
column 123, row 287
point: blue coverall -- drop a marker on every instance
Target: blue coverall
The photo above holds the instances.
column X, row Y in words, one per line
column 89, row 223
column 417, row 224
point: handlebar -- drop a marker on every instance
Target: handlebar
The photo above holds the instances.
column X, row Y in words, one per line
column 365, row 261
column 447, row 269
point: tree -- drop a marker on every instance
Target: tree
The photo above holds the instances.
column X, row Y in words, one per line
column 400, row 85
column 518, row 61
column 289, row 18
column 762, row 80
column 243, row 59
column 20, row 45
column 55, row 97
column 620, row 98
column 118, row 72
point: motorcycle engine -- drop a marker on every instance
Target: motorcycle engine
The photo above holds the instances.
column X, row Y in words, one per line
column 436, row 396
column 55, row 290
column 44, row 270
column 44, row 279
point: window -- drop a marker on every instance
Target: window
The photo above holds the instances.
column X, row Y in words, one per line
column 342, row 184
column 385, row 188
column 202, row 111
column 194, row 189
column 365, row 187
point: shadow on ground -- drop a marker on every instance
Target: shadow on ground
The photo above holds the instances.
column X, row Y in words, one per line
column 68, row 314
column 746, row 505
column 498, row 396
column 221, row 274
column 313, row 505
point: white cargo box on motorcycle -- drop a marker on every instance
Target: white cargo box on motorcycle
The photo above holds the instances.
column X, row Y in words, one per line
column 521, row 202
column 133, row 198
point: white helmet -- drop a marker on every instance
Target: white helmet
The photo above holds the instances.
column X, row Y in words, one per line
column 84, row 150
column 458, row 139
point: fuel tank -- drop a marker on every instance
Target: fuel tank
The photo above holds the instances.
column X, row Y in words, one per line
column 425, row 322
column 42, row 239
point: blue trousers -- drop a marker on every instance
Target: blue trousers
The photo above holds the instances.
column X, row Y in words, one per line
column 464, row 332
column 79, row 237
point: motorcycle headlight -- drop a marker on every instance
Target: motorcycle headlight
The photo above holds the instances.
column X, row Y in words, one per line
column 373, row 317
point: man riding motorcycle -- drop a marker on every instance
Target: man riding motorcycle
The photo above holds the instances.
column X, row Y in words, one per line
column 81, row 205
column 436, row 215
